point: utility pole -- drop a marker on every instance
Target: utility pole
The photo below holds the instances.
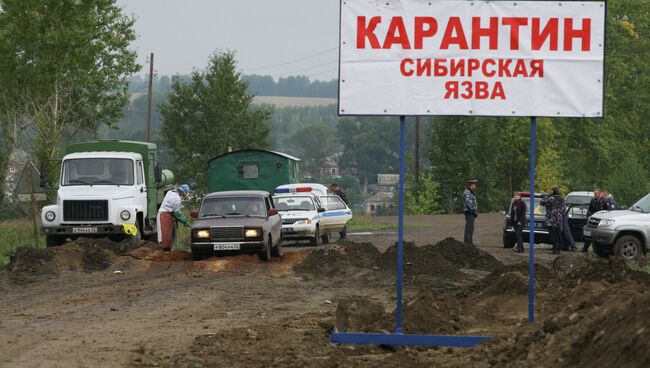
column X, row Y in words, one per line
column 417, row 149
column 149, row 96
column 29, row 167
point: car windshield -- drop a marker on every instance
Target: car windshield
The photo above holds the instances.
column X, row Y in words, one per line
column 539, row 209
column 294, row 203
column 97, row 171
column 232, row 206
column 643, row 205
column 578, row 199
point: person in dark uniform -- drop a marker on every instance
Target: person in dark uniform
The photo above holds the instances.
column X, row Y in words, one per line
column 596, row 204
column 470, row 209
column 339, row 192
column 555, row 217
column 518, row 217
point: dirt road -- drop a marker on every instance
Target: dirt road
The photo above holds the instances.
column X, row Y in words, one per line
column 154, row 309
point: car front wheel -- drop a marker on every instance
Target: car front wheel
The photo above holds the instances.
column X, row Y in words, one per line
column 265, row 254
column 508, row 242
column 277, row 250
column 628, row 247
column 315, row 241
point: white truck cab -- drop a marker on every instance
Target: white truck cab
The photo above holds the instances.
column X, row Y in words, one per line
column 108, row 188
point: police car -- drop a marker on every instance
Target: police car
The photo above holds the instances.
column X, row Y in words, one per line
column 310, row 212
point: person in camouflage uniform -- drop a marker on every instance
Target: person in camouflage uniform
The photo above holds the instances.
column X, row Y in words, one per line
column 470, row 208
column 554, row 217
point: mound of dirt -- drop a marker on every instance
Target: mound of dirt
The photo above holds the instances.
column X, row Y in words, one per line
column 465, row 256
column 360, row 314
column 33, row 261
column 571, row 262
column 419, row 261
column 336, row 259
column 430, row 312
column 31, row 264
column 508, row 280
column 599, row 319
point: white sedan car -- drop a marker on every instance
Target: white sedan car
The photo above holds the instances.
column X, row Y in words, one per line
column 308, row 216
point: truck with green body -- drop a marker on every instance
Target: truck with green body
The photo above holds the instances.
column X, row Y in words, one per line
column 107, row 188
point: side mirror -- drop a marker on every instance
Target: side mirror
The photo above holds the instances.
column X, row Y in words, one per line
column 194, row 214
column 321, row 210
column 158, row 173
column 272, row 212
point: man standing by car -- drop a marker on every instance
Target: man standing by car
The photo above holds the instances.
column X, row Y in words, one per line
column 609, row 202
column 470, row 208
column 596, row 204
column 518, row 216
column 170, row 209
column 334, row 187
column 554, row 217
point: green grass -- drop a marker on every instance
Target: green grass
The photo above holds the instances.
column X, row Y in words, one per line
column 15, row 234
column 364, row 222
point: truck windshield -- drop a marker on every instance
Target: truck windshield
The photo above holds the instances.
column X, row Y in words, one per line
column 232, row 206
column 97, row 171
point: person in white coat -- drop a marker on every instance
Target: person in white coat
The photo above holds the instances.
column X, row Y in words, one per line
column 168, row 214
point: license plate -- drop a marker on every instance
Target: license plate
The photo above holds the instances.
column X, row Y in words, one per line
column 287, row 229
column 587, row 232
column 226, row 246
column 84, row 230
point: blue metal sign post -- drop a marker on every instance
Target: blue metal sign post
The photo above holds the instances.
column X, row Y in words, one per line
column 399, row 338
column 531, row 240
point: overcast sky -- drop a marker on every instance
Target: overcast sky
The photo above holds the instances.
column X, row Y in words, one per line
column 301, row 35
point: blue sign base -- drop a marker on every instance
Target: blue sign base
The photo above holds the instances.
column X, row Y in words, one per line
column 406, row 340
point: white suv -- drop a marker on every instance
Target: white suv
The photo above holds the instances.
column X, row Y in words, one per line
column 625, row 233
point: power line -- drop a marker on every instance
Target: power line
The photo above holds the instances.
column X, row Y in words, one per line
column 304, row 69
column 292, row 61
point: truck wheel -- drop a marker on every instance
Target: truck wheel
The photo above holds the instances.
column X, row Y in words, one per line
column 325, row 239
column 277, row 250
column 508, row 242
column 54, row 240
column 628, row 247
column 315, row 241
column 344, row 233
column 601, row 250
column 265, row 254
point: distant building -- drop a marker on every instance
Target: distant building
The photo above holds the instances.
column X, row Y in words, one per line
column 382, row 199
column 329, row 169
column 18, row 160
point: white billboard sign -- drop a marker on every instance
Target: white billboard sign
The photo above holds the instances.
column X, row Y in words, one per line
column 451, row 57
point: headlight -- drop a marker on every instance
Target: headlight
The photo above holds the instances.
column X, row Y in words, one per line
column 303, row 222
column 205, row 233
column 606, row 222
column 125, row 215
column 253, row 233
column 50, row 216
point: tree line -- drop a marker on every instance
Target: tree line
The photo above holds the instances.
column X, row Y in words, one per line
column 209, row 111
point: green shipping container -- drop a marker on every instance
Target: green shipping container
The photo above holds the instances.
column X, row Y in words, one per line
column 252, row 170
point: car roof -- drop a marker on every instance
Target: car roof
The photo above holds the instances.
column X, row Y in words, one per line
column 582, row 194
column 239, row 193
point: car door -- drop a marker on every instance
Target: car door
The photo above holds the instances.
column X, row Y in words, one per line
column 141, row 194
column 275, row 221
column 336, row 215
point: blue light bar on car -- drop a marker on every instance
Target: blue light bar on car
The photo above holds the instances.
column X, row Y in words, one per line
column 282, row 190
